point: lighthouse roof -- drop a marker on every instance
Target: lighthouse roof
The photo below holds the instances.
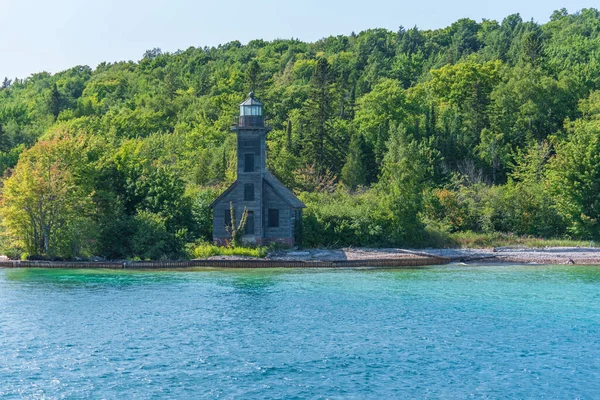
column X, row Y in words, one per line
column 251, row 101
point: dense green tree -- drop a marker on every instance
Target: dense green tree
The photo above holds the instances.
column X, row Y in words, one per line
column 526, row 207
column 253, row 76
column 355, row 172
column 46, row 203
column 403, row 181
column 532, row 47
column 318, row 143
column 54, row 101
column 456, row 117
column 574, row 172
column 378, row 111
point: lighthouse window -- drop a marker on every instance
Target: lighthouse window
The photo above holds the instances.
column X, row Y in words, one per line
column 249, row 162
column 249, row 192
column 250, row 110
column 273, row 217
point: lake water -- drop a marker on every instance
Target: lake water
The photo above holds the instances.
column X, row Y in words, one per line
column 451, row 332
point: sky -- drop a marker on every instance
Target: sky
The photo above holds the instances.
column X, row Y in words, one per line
column 43, row 35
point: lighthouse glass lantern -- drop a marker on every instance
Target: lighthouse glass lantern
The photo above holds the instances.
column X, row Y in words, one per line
column 251, row 113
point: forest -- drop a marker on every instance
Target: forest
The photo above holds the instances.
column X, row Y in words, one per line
column 402, row 138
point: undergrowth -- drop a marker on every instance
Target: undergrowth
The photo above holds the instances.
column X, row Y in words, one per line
column 487, row 240
column 205, row 250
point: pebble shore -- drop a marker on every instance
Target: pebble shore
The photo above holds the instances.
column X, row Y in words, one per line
column 550, row 255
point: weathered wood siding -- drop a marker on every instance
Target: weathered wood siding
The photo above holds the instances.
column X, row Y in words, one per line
column 249, row 142
column 219, row 210
column 286, row 215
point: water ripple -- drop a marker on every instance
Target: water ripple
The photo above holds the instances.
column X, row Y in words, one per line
column 450, row 332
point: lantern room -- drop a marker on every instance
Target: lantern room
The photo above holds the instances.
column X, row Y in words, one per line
column 251, row 113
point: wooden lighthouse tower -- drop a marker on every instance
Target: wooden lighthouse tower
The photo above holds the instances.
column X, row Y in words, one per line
column 274, row 212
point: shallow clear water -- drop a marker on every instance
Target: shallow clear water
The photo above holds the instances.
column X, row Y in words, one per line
column 452, row 332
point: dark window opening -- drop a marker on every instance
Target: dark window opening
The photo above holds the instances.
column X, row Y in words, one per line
column 227, row 218
column 248, row 191
column 249, row 230
column 273, row 218
column 249, row 162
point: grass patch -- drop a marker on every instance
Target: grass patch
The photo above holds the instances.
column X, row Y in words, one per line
column 487, row 240
column 205, row 250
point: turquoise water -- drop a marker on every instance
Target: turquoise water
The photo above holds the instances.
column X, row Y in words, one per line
column 450, row 332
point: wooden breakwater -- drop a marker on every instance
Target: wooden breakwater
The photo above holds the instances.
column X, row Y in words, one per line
column 258, row 263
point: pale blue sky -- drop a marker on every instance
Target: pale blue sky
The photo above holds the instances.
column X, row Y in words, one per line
column 44, row 35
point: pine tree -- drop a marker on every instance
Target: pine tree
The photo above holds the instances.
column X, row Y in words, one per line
column 318, row 147
column 5, row 142
column 54, row 101
column 253, row 75
column 532, row 47
column 170, row 85
column 6, row 83
column 403, row 179
column 354, row 172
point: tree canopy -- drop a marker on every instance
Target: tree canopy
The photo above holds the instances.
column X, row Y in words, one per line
column 483, row 126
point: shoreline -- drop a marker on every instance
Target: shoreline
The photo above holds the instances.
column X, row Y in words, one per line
column 500, row 255
column 349, row 258
column 523, row 255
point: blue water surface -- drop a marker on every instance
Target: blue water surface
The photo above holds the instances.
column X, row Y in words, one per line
column 443, row 332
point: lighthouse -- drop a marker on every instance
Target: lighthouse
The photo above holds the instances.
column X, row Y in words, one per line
column 274, row 212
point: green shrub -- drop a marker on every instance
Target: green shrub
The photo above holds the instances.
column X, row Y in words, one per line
column 497, row 239
column 517, row 208
column 341, row 219
column 206, row 250
column 356, row 219
column 152, row 241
